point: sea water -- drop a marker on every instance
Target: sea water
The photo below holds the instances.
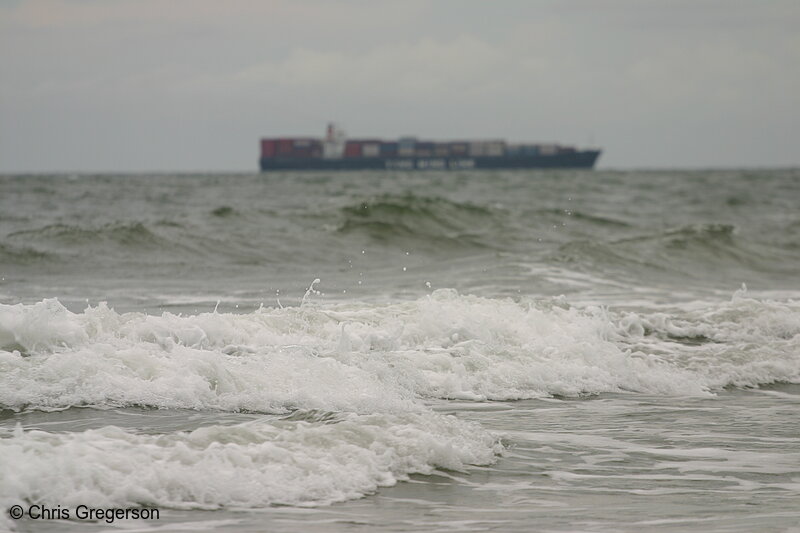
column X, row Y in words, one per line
column 443, row 351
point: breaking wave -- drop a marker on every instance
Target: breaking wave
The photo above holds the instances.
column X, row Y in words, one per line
column 252, row 464
column 367, row 358
column 341, row 388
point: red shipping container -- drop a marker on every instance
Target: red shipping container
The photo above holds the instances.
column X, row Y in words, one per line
column 352, row 149
column 267, row 148
column 285, row 146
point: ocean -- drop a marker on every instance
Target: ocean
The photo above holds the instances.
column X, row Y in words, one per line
column 513, row 351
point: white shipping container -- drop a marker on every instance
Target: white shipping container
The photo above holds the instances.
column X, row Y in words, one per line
column 477, row 148
column 371, row 150
column 495, row 148
column 548, row 149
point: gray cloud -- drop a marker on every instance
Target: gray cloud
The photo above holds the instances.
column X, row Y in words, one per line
column 191, row 85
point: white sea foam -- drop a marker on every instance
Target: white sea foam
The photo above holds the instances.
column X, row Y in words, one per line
column 744, row 342
column 366, row 358
column 245, row 465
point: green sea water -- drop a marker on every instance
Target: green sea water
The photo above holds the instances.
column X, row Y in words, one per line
column 443, row 351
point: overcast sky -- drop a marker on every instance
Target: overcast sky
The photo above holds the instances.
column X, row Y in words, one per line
column 137, row 85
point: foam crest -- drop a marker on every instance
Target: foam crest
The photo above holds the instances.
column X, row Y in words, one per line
column 247, row 465
column 368, row 358
column 466, row 347
column 41, row 326
column 744, row 342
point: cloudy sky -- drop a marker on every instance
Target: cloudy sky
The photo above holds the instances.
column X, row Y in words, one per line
column 138, row 85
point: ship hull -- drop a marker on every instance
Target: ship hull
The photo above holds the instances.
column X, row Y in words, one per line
column 582, row 159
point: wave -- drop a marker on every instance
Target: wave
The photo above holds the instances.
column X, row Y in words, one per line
column 367, row 358
column 703, row 239
column 550, row 216
column 252, row 464
column 223, row 211
column 342, row 388
column 117, row 243
column 692, row 234
column 436, row 220
column 134, row 234
column 22, row 255
column 695, row 250
column 744, row 343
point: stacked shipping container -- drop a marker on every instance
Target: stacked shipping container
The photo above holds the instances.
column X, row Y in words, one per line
column 407, row 147
column 335, row 151
column 291, row 148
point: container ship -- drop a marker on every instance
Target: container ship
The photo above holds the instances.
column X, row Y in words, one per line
column 336, row 152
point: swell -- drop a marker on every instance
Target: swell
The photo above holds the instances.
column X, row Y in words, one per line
column 117, row 243
column 11, row 254
column 133, row 234
column 411, row 218
column 696, row 250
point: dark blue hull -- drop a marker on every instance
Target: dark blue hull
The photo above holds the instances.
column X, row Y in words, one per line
column 582, row 159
